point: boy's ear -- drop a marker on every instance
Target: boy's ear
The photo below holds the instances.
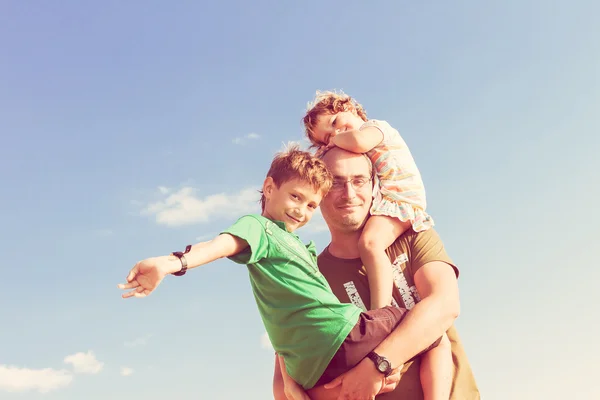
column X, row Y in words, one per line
column 268, row 186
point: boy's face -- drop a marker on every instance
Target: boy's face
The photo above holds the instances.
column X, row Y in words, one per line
column 329, row 125
column 293, row 202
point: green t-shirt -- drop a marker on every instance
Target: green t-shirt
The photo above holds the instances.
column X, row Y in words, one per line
column 305, row 321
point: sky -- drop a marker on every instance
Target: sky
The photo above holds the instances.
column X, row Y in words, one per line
column 130, row 129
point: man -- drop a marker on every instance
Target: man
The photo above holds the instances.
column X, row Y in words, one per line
column 425, row 282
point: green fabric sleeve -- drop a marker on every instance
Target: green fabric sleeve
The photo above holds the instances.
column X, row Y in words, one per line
column 253, row 232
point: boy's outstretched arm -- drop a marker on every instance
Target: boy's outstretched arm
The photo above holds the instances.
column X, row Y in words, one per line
column 147, row 274
column 358, row 141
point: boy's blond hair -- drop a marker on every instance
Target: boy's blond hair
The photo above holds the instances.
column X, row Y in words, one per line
column 329, row 102
column 293, row 163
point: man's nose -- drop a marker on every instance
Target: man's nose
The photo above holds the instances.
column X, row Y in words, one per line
column 348, row 192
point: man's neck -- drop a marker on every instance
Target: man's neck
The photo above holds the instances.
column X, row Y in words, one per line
column 345, row 245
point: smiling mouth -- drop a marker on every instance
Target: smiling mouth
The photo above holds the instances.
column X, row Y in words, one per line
column 298, row 221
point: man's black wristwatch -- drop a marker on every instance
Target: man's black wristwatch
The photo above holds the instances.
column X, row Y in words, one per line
column 181, row 257
column 382, row 364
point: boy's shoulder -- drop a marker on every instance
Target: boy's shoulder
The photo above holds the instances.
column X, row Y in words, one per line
column 257, row 222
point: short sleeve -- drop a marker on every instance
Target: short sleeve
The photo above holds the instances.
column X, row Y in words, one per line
column 250, row 229
column 389, row 133
column 427, row 246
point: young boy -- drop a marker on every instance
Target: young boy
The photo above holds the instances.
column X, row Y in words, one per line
column 317, row 336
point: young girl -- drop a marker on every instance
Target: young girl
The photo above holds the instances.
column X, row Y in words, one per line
column 335, row 119
column 399, row 199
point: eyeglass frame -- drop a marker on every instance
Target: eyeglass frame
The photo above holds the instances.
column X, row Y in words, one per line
column 341, row 184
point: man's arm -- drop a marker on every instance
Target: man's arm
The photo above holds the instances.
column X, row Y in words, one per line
column 428, row 320
column 437, row 285
column 279, row 388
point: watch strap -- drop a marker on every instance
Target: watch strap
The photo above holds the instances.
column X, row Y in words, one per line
column 378, row 360
column 181, row 256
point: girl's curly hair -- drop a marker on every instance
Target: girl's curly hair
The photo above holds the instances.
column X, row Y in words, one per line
column 329, row 102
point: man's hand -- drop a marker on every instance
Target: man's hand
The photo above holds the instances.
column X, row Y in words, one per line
column 292, row 390
column 146, row 275
column 362, row 382
column 391, row 382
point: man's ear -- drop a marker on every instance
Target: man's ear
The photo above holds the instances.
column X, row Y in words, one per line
column 268, row 186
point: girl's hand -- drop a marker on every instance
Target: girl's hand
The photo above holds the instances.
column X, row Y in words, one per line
column 146, row 275
column 323, row 149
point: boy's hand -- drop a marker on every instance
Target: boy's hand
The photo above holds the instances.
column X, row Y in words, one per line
column 146, row 275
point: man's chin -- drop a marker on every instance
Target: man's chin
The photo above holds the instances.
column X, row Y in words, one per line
column 353, row 221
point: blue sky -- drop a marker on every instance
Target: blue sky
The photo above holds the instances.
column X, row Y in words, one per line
column 130, row 130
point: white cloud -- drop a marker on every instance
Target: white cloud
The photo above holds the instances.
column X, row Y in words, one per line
column 243, row 139
column 265, row 343
column 126, row 371
column 14, row 379
column 140, row 341
column 184, row 207
column 84, row 363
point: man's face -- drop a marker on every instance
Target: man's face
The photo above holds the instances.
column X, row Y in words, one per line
column 346, row 206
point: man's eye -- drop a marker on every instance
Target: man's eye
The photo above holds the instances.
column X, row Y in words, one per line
column 359, row 182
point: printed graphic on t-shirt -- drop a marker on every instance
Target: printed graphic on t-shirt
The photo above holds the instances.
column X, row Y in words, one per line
column 409, row 294
column 354, row 296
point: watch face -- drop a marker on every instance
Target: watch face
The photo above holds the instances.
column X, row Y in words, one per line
column 384, row 366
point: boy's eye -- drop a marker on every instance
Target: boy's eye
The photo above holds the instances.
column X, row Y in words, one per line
column 295, row 197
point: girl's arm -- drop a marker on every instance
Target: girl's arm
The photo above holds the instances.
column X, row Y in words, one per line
column 358, row 141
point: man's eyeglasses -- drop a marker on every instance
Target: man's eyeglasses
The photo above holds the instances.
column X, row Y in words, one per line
column 356, row 183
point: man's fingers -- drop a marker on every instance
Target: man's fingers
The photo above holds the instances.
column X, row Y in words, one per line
column 334, row 383
column 389, row 387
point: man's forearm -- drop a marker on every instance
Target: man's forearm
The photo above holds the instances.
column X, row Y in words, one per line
column 424, row 324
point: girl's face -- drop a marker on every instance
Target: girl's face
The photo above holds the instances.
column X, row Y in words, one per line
column 329, row 125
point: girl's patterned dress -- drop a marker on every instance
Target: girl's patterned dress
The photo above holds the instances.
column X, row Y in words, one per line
column 400, row 191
